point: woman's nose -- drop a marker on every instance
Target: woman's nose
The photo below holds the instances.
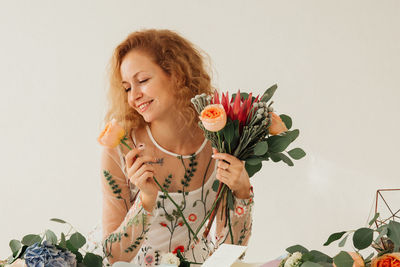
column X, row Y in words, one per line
column 134, row 94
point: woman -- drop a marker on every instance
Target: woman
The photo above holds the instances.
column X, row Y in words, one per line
column 153, row 76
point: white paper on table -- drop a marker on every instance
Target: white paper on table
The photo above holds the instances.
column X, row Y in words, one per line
column 225, row 256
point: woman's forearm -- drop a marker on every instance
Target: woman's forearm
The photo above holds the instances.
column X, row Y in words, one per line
column 124, row 243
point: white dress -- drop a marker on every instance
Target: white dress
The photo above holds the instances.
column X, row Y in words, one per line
column 148, row 236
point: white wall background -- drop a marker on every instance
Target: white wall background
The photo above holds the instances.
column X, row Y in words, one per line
column 336, row 64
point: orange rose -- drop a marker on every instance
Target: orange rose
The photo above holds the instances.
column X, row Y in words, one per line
column 358, row 261
column 213, row 117
column 387, row 260
column 111, row 135
column 277, row 125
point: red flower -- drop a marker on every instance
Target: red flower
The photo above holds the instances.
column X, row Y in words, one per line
column 180, row 223
column 163, row 224
column 180, row 248
column 236, row 109
column 192, row 217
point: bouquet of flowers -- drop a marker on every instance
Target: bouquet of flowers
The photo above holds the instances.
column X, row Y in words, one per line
column 247, row 128
column 48, row 250
column 384, row 239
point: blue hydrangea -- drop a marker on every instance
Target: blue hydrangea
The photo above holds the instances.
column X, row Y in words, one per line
column 56, row 262
column 68, row 257
column 47, row 255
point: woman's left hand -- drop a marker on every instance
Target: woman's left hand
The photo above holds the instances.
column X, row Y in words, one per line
column 233, row 174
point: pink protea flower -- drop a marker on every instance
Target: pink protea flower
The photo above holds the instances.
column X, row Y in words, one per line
column 236, row 109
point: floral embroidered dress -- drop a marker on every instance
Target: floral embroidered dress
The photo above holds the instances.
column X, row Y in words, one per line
column 130, row 233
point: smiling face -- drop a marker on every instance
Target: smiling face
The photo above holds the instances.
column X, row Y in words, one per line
column 148, row 87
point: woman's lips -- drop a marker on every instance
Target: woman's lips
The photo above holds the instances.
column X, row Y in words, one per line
column 145, row 106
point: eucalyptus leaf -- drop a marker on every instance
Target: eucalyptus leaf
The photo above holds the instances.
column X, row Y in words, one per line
column 333, row 237
column 92, row 260
column 261, row 148
column 310, row 264
column 394, row 232
column 269, row 93
column 383, row 232
column 318, row 256
column 58, row 220
column 215, row 185
column 286, row 120
column 277, row 143
column 374, row 219
column 362, row 238
column 15, row 246
column 51, row 237
column 297, row 248
column 63, row 243
column 343, row 259
column 292, row 135
column 343, row 241
column 31, row 239
column 229, row 132
column 275, row 157
column 296, row 153
column 77, row 240
column 286, row 159
column 253, row 161
column 252, row 169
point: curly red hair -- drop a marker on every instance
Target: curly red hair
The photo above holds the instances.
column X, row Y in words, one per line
column 177, row 57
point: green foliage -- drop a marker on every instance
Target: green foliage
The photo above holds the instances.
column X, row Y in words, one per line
column 31, row 239
column 215, row 185
column 269, row 93
column 286, row 120
column 296, row 153
column 343, row 241
column 333, row 237
column 15, row 246
column 261, row 148
column 394, row 232
column 297, row 248
column 343, row 259
column 58, row 220
column 77, row 240
column 252, row 169
column 374, row 219
column 363, row 237
column 310, row 264
column 92, row 260
column 73, row 244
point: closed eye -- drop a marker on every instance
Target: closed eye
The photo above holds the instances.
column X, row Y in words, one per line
column 127, row 89
column 144, row 81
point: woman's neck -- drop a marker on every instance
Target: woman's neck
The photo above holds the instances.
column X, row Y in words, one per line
column 175, row 137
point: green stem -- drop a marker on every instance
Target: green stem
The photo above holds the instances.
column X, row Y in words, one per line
column 211, row 210
column 123, row 142
column 219, row 143
column 176, row 205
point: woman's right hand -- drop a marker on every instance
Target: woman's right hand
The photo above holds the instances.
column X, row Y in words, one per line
column 141, row 175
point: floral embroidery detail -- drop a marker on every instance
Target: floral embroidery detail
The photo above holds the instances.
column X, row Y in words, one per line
column 180, row 248
column 163, row 224
column 192, row 217
column 149, row 259
column 180, row 223
column 239, row 211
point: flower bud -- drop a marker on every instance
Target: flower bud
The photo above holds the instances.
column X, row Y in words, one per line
column 260, row 111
